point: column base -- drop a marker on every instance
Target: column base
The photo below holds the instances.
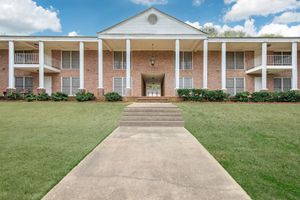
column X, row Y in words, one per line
column 82, row 90
column 224, row 89
column 295, row 89
column 100, row 92
column 128, row 92
column 9, row 90
column 264, row 90
column 41, row 90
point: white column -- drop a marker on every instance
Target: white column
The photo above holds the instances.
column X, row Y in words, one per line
column 223, row 67
column 42, row 64
column 81, row 65
column 177, row 63
column 205, row 53
column 100, row 63
column 295, row 66
column 264, row 66
column 128, row 67
column 11, row 62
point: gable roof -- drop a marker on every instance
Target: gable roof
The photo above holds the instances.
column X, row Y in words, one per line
column 166, row 25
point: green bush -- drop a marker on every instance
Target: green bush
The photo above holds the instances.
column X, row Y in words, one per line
column 43, row 96
column 59, row 96
column 202, row 95
column 112, row 96
column 30, row 97
column 243, row 97
column 262, row 96
column 217, row 95
column 84, row 96
column 13, row 95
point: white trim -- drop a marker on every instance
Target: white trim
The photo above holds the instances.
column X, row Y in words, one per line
column 48, row 39
column 254, row 39
column 152, row 36
column 234, row 60
column 122, row 60
column 205, row 64
column 223, row 67
column 71, row 57
column 281, row 80
column 81, row 65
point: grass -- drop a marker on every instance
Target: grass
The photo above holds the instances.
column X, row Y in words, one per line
column 41, row 142
column 258, row 144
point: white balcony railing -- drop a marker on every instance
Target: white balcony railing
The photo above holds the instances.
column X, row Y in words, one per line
column 33, row 58
column 26, row 58
column 279, row 60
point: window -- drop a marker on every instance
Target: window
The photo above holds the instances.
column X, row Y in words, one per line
column 282, row 84
column 119, row 85
column 70, row 85
column 185, row 83
column 235, row 60
column 235, row 85
column 24, row 84
column 70, row 59
column 186, row 60
column 119, row 60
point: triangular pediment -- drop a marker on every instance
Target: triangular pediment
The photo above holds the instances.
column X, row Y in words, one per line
column 152, row 21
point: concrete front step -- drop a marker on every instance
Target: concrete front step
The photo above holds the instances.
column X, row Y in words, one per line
column 152, row 109
column 151, row 118
column 152, row 113
column 152, row 123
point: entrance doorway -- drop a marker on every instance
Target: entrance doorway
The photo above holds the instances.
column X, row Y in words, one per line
column 153, row 85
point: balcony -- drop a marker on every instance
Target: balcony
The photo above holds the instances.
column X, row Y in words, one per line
column 30, row 62
column 275, row 63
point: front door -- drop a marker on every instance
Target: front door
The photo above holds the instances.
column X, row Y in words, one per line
column 48, row 84
column 153, row 90
column 258, row 84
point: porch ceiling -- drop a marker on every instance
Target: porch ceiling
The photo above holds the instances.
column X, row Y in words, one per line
column 270, row 69
column 35, row 68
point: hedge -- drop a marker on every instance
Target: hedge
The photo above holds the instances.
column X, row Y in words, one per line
column 202, row 95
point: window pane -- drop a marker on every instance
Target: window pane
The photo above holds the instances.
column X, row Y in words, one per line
column 230, row 86
column 239, row 84
column 19, row 83
column 187, row 82
column 287, row 84
column 66, row 85
column 29, row 83
column 188, row 60
column 230, row 60
column 117, row 60
column 277, row 84
column 124, row 86
column 180, row 83
column 75, row 85
column 181, row 61
column 239, row 60
column 75, row 59
column 118, row 85
column 124, row 60
column 66, row 60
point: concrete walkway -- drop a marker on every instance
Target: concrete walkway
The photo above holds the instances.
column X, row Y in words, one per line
column 138, row 163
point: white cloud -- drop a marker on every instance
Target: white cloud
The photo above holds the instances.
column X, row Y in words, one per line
column 73, row 33
column 243, row 9
column 150, row 2
column 287, row 17
column 229, row 1
column 280, row 29
column 24, row 17
column 197, row 2
column 250, row 29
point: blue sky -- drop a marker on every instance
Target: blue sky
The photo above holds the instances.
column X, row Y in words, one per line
column 87, row 17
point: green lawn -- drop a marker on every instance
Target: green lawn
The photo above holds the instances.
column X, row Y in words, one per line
column 41, row 142
column 258, row 144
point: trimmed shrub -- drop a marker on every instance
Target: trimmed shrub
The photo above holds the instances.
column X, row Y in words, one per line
column 84, row 96
column 43, row 96
column 13, row 95
column 59, row 96
column 243, row 97
column 217, row 95
column 112, row 96
column 202, row 95
column 262, row 96
column 30, row 97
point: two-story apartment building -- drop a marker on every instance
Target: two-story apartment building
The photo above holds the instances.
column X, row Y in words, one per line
column 150, row 54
